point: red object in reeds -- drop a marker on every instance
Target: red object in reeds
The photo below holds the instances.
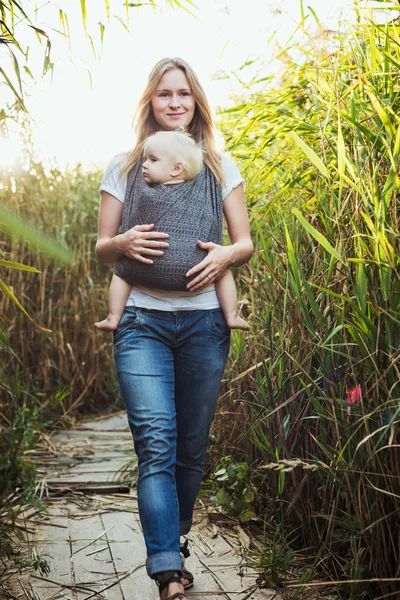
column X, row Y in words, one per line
column 354, row 394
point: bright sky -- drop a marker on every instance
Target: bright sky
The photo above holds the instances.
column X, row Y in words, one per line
column 75, row 121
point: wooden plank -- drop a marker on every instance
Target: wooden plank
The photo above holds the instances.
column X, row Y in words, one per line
column 96, row 569
column 203, row 577
column 203, row 580
column 52, row 544
column 125, row 529
column 85, row 529
column 128, row 556
column 129, row 552
column 228, row 567
column 92, row 489
column 111, row 465
column 53, row 529
column 93, row 566
column 85, row 448
column 72, row 477
column 115, row 423
column 78, row 434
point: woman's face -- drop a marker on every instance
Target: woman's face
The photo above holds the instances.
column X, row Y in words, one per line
column 173, row 103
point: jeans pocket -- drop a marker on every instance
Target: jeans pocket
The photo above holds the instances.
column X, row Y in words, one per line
column 129, row 321
column 219, row 326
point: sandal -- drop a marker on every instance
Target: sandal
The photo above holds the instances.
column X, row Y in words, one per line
column 189, row 576
column 185, row 573
column 164, row 579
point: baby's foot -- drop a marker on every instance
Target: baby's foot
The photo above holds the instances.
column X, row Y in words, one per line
column 109, row 324
column 236, row 322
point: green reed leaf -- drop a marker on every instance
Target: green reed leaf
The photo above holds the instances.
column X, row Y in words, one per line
column 23, row 230
column 9, row 293
column 15, row 265
column 311, row 155
column 317, row 236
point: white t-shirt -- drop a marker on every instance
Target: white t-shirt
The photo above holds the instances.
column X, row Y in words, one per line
column 115, row 184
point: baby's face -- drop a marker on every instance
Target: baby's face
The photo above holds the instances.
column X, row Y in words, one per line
column 158, row 165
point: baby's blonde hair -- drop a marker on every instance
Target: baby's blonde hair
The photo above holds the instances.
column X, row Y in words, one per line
column 181, row 148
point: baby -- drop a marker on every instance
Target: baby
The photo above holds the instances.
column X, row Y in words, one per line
column 171, row 157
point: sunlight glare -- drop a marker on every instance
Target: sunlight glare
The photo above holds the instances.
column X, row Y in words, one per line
column 10, row 152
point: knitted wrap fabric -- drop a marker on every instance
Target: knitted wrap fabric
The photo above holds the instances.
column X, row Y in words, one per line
column 188, row 212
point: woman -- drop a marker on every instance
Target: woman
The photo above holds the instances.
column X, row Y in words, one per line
column 170, row 348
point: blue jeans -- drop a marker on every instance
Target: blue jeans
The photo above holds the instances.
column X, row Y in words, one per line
column 169, row 367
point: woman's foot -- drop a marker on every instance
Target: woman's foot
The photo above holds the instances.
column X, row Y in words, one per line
column 109, row 324
column 236, row 322
column 173, row 590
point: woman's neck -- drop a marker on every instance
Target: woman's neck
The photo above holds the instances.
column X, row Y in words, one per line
column 174, row 181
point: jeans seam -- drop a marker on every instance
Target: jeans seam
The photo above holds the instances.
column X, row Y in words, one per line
column 218, row 337
column 131, row 327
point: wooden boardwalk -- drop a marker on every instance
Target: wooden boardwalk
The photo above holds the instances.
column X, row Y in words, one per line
column 91, row 536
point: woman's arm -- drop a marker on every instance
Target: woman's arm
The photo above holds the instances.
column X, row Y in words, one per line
column 220, row 258
column 237, row 220
column 134, row 243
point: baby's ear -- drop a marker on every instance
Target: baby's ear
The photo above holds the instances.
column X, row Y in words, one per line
column 177, row 169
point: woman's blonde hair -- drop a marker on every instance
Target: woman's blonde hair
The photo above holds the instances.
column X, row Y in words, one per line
column 201, row 127
column 180, row 147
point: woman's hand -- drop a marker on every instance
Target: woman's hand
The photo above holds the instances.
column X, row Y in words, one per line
column 140, row 242
column 137, row 243
column 212, row 267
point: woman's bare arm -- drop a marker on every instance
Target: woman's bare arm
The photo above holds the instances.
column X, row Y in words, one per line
column 134, row 243
column 237, row 220
column 220, row 258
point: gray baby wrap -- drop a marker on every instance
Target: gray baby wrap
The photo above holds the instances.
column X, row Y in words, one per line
column 187, row 211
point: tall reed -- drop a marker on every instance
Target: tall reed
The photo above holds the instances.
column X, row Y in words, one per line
column 64, row 299
column 316, row 393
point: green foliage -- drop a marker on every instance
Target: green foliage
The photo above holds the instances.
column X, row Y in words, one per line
column 233, row 489
column 24, row 415
column 316, row 390
column 276, row 558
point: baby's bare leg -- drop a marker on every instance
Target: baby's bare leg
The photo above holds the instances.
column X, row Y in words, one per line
column 227, row 296
column 117, row 297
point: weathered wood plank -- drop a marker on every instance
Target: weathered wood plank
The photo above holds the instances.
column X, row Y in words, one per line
column 91, row 558
column 227, row 567
column 71, row 475
column 76, row 434
column 117, row 422
column 128, row 551
column 107, row 466
column 52, row 529
column 93, row 566
column 52, row 544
